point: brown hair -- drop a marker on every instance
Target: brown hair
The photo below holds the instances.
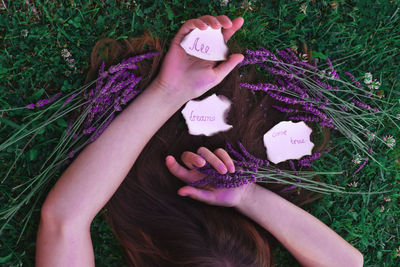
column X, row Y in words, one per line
column 156, row 226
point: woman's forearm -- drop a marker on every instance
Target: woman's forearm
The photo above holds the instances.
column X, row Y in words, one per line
column 306, row 237
column 93, row 177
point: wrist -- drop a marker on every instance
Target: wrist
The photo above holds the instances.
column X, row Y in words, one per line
column 168, row 93
column 248, row 197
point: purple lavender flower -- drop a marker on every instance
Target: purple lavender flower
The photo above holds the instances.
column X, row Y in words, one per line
column 327, row 124
column 68, row 130
column 285, row 110
column 305, row 118
column 69, row 99
column 361, row 166
column 247, row 162
column 236, row 154
column 71, row 154
column 291, row 163
column 333, row 72
column 102, row 128
column 305, row 161
column 89, row 130
column 355, row 81
column 44, row 102
column 288, row 188
column 114, row 88
column 278, row 72
column 316, row 112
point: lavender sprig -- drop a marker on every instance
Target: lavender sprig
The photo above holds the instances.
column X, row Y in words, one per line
column 253, row 169
column 44, row 102
column 317, row 94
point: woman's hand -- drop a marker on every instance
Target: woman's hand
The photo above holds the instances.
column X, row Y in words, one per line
column 188, row 77
column 221, row 161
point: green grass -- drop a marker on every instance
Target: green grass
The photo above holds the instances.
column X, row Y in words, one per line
column 361, row 36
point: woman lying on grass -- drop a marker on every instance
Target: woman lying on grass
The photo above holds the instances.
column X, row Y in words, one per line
column 198, row 226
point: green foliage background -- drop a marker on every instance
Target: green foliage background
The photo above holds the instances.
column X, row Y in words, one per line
column 363, row 36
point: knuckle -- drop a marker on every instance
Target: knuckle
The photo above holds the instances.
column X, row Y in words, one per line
column 184, row 155
column 201, row 150
column 190, row 21
column 223, row 17
column 219, row 151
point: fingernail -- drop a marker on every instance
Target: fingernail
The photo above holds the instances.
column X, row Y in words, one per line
column 222, row 168
column 232, row 167
column 200, row 162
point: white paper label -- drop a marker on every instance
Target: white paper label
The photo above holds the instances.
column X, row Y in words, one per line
column 208, row 44
column 288, row 140
column 207, row 116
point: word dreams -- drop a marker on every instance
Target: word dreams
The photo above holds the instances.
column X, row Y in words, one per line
column 201, row 117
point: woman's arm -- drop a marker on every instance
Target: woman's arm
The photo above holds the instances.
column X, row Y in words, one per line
column 310, row 241
column 90, row 181
column 307, row 238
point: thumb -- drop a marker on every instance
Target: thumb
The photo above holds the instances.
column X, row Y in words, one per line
column 223, row 69
column 198, row 194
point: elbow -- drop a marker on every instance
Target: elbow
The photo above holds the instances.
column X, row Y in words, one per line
column 59, row 218
column 355, row 259
column 359, row 259
column 48, row 215
column 53, row 216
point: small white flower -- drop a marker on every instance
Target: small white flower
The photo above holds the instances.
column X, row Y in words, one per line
column 224, row 2
column 353, row 184
column 389, row 140
column 322, row 74
column 387, row 199
column 374, row 85
column 356, row 159
column 370, row 136
column 367, row 78
column 24, row 33
column 70, row 61
column 333, row 75
column 303, row 8
column 382, row 208
column 65, row 53
column 303, row 57
column 247, row 4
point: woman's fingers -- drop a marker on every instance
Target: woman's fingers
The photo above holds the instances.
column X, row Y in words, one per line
column 181, row 172
column 224, row 21
column 192, row 160
column 198, row 194
column 213, row 160
column 236, row 25
column 212, row 21
column 200, row 24
column 186, row 28
column 229, row 27
column 224, row 156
